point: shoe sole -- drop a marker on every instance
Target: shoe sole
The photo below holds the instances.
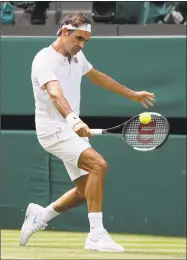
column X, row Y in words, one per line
column 89, row 248
column 23, row 229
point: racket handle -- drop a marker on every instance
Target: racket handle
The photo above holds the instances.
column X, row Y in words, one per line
column 96, row 131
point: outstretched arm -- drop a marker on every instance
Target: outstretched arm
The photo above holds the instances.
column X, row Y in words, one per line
column 103, row 80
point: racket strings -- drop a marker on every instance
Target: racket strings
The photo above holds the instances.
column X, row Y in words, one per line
column 146, row 136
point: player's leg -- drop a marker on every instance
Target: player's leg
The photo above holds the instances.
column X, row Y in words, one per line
column 88, row 170
column 94, row 163
column 70, row 199
column 37, row 217
column 90, row 187
column 89, row 160
column 98, row 238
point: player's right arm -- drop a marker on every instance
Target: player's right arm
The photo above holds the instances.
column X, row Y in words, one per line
column 56, row 94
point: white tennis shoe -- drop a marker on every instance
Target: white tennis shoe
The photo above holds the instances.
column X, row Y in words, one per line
column 102, row 242
column 32, row 223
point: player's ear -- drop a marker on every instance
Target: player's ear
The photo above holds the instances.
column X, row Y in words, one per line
column 64, row 32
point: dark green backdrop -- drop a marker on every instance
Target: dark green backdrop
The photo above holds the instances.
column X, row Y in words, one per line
column 157, row 65
column 144, row 192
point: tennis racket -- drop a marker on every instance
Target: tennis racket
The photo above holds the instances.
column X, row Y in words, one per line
column 141, row 137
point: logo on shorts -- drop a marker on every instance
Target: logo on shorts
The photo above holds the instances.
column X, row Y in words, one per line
column 75, row 60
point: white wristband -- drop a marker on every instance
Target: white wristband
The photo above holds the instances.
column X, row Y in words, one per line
column 72, row 119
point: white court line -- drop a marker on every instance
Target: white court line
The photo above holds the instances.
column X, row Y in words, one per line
column 10, row 257
column 76, row 244
column 106, row 37
column 93, row 256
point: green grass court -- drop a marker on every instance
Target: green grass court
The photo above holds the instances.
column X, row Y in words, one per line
column 68, row 245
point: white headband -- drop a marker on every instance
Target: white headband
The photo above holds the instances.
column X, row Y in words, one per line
column 84, row 27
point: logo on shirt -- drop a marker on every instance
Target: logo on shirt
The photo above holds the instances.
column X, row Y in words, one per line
column 75, row 60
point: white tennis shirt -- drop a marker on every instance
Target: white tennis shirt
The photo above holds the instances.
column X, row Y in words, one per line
column 50, row 65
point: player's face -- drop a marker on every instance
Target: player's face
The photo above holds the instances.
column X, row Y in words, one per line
column 76, row 40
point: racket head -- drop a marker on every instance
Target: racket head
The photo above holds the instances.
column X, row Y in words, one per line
column 146, row 137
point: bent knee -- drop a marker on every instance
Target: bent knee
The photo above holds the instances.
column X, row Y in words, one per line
column 99, row 166
column 92, row 162
column 102, row 165
column 81, row 194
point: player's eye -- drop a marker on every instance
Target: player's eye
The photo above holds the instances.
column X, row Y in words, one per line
column 80, row 38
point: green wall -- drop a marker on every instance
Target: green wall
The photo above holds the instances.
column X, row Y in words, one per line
column 154, row 64
column 144, row 193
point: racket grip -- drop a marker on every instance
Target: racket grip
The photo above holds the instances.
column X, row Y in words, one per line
column 96, row 131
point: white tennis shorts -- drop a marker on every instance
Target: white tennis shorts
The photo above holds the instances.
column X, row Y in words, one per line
column 68, row 151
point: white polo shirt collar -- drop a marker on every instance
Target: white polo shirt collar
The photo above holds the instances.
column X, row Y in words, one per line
column 60, row 56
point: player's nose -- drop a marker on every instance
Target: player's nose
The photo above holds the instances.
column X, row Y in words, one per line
column 81, row 44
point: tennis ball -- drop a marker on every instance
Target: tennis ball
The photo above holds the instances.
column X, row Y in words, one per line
column 145, row 118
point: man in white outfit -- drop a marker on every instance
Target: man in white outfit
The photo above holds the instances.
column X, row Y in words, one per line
column 56, row 78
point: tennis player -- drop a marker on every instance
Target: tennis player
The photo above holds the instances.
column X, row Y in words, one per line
column 57, row 72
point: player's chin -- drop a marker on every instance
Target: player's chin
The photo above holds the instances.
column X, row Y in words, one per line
column 74, row 52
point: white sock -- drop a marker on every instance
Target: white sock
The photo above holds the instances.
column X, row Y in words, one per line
column 49, row 213
column 96, row 221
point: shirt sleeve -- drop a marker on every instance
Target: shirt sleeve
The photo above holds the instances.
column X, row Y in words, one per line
column 86, row 66
column 44, row 72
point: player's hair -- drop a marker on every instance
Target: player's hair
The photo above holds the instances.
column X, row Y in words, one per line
column 75, row 20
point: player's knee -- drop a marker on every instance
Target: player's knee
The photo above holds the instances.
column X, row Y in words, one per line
column 103, row 165
column 92, row 162
column 100, row 166
column 81, row 193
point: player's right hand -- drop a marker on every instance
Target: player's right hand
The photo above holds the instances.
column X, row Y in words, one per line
column 81, row 129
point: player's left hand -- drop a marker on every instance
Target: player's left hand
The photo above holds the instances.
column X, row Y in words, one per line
column 143, row 97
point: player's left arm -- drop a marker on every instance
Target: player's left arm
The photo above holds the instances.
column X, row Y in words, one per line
column 103, row 80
